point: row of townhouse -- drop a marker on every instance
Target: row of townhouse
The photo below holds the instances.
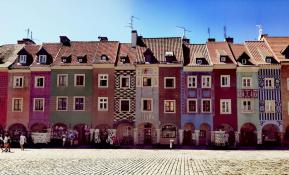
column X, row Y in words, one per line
column 149, row 91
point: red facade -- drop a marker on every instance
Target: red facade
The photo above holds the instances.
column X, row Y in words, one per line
column 3, row 98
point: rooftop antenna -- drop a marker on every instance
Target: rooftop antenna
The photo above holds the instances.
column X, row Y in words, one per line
column 31, row 36
column 225, row 32
column 260, row 29
column 184, row 30
column 28, row 33
column 209, row 32
column 131, row 23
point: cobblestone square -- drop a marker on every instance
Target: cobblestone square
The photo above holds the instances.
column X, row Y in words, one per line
column 138, row 162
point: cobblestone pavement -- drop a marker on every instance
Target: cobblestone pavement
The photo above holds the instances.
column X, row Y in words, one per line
column 134, row 161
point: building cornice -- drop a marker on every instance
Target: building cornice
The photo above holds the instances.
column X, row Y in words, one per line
column 248, row 69
column 40, row 69
column 103, row 65
column 71, row 67
column 198, row 69
column 224, row 66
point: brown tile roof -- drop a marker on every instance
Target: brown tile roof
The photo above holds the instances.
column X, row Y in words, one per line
column 216, row 49
column 198, row 51
column 278, row 45
column 108, row 48
column 125, row 50
column 259, row 51
column 8, row 54
column 238, row 50
column 159, row 46
column 52, row 48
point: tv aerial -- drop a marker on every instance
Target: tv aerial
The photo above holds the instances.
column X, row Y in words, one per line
column 185, row 30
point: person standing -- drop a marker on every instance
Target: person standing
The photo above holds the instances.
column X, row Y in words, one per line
column 7, row 142
column 22, row 141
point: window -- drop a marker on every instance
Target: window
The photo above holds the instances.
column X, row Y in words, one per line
column 192, row 81
column 206, row 106
column 244, row 61
column 147, row 105
column 199, row 61
column 42, row 59
column 18, row 82
column 170, row 82
column 61, row 103
column 79, row 103
column 39, row 82
column 269, row 83
column 102, row 80
column 17, row 104
column 225, row 106
column 169, row 131
column 38, row 104
column 147, row 81
column 268, row 59
column 79, row 80
column 246, row 82
column 225, row 80
column 62, row 80
column 192, row 105
column 223, row 58
column 170, row 106
column 102, row 103
column 206, row 81
column 22, row 59
column 269, row 106
column 124, row 105
column 247, row 106
column 124, row 81
column 103, row 58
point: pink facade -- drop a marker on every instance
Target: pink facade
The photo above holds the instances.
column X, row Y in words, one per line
column 3, row 98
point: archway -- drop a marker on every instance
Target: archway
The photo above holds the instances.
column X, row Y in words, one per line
column 38, row 127
column 205, row 134
column 248, row 135
column 146, row 133
column 124, row 133
column 228, row 129
column 189, row 129
column 270, row 135
column 15, row 131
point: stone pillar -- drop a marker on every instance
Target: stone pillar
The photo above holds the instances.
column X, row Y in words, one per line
column 259, row 137
column 135, row 136
column 158, row 135
column 181, row 136
column 197, row 134
column 212, row 137
column 237, row 138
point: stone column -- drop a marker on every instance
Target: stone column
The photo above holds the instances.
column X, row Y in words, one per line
column 135, row 136
column 197, row 134
column 259, row 137
column 181, row 136
column 158, row 135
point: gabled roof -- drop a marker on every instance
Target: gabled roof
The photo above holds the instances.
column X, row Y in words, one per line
column 159, row 46
column 198, row 51
column 125, row 50
column 259, row 51
column 277, row 45
column 8, row 54
column 240, row 50
column 217, row 49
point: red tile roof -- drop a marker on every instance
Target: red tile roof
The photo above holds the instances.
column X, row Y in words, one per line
column 277, row 45
column 216, row 49
column 238, row 50
column 52, row 48
column 125, row 49
column 108, row 48
column 198, row 51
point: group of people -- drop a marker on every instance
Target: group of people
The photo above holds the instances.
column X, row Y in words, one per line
column 5, row 143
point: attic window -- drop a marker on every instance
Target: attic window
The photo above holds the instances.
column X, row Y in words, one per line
column 199, row 61
column 268, row 59
column 124, row 59
column 104, row 58
column 169, row 54
column 244, row 61
column 170, row 58
column 22, row 59
column 66, row 59
column 286, row 52
column 223, row 58
column 42, row 59
column 81, row 59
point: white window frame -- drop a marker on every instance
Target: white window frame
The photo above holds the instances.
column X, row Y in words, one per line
column 22, row 59
column 246, row 82
column 21, row 106
column 206, row 99
column 120, row 79
column 174, row 106
column 288, row 84
column 66, row 103
column 102, row 77
column 99, row 102
column 192, row 79
column 165, row 78
column 36, row 80
column 268, row 104
column 204, row 78
column 75, row 80
column 74, row 103
column 58, row 75
column 244, row 61
column 142, row 104
column 243, row 110
column 199, row 61
column 14, row 81
column 226, row 101
column 120, row 101
column 272, row 83
column 228, row 80
column 42, row 57
column 34, row 104
column 188, row 105
column 148, row 78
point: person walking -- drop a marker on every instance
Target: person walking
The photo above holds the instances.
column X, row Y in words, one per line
column 7, row 142
column 22, row 141
column 1, row 142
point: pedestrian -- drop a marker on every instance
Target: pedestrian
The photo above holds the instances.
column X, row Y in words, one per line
column 1, row 142
column 63, row 140
column 7, row 142
column 22, row 141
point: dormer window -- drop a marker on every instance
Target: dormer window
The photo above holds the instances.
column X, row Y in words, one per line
column 66, row 59
column 81, row 59
column 268, row 59
column 199, row 61
column 286, row 52
column 22, row 59
column 223, row 59
column 124, row 59
column 169, row 54
column 103, row 58
column 244, row 61
column 170, row 57
column 42, row 59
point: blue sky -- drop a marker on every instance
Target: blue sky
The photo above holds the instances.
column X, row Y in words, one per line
column 88, row 19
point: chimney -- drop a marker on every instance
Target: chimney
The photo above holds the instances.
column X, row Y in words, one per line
column 211, row 39
column 65, row 40
column 134, row 38
column 186, row 40
column 26, row 41
column 103, row 38
column 230, row 40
